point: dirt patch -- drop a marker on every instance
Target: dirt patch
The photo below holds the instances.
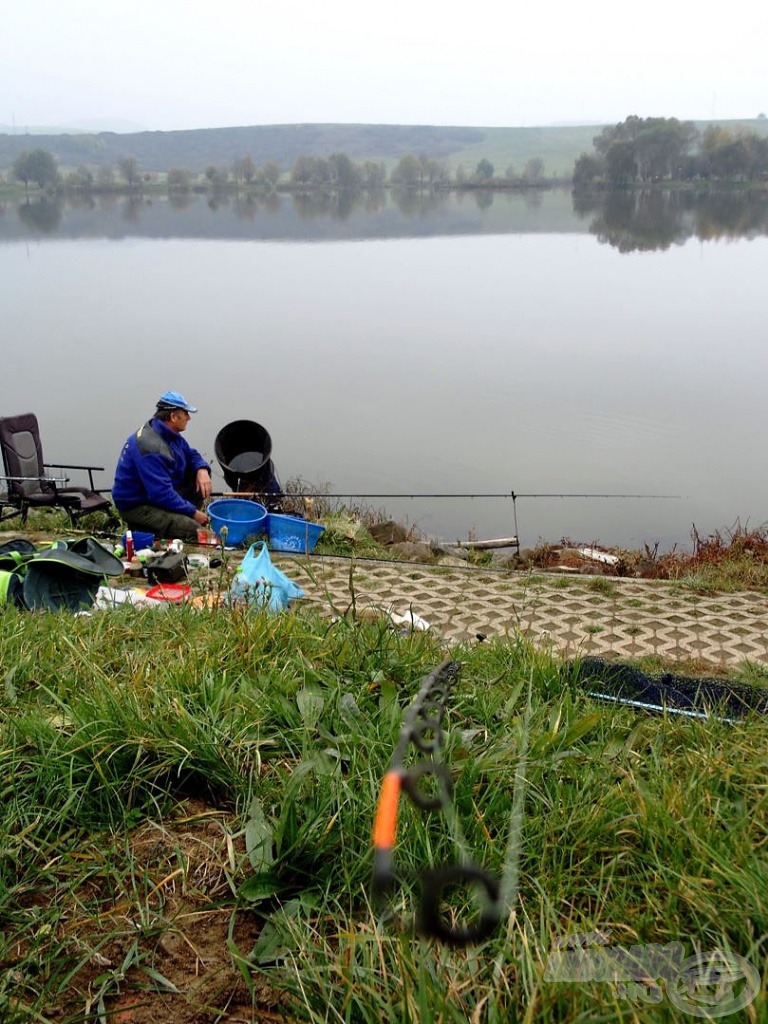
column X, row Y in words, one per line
column 160, row 945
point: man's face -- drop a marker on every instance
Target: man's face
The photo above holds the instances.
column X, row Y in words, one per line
column 179, row 420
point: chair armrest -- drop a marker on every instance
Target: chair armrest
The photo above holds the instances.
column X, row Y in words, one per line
column 88, row 469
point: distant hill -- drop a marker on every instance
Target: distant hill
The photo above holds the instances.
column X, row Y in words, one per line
column 80, row 128
column 194, row 150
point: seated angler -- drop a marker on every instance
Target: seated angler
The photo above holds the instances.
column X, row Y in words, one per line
column 160, row 481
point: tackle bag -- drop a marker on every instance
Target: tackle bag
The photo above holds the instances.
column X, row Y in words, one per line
column 11, row 589
column 168, row 568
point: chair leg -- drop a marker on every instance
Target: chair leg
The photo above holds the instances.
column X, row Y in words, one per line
column 14, row 511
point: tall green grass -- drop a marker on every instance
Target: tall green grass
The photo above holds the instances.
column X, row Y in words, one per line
column 276, row 731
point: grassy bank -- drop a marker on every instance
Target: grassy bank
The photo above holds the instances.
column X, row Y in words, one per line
column 188, row 797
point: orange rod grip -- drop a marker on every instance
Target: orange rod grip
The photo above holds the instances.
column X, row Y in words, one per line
column 385, row 823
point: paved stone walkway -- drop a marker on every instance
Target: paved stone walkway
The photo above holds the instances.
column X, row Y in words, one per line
column 575, row 615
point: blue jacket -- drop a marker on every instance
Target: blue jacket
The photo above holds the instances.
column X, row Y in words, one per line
column 154, row 465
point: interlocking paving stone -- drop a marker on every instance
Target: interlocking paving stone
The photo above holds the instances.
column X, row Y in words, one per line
column 570, row 614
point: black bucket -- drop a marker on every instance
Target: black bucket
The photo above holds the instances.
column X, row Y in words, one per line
column 243, row 449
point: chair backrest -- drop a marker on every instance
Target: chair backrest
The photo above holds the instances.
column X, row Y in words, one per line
column 23, row 455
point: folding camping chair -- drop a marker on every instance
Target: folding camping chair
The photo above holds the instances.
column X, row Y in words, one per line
column 29, row 485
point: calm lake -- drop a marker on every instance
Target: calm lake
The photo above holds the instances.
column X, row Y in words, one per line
column 474, row 343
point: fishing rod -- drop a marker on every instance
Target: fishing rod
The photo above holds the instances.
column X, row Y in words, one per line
column 273, row 499
column 662, row 709
column 496, row 494
column 267, row 496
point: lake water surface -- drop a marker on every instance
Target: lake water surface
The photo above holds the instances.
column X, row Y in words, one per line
column 472, row 344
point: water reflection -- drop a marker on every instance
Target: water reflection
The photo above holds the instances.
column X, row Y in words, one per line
column 627, row 220
column 42, row 216
column 179, row 200
column 417, row 203
column 729, row 215
column 337, row 204
column 218, row 201
column 133, row 208
column 484, row 199
column 648, row 219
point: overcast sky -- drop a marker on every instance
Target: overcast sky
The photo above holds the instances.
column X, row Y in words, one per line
column 167, row 64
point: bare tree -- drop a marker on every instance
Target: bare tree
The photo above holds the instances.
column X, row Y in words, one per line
column 407, row 171
column 534, row 170
column 373, row 173
column 178, row 179
column 105, row 175
column 243, row 169
column 271, row 172
column 129, row 169
column 81, row 177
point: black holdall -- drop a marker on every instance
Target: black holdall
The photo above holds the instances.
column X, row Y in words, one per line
column 169, row 568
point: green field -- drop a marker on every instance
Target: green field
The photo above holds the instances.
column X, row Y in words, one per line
column 557, row 147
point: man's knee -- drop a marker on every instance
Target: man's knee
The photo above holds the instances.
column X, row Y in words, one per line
column 161, row 522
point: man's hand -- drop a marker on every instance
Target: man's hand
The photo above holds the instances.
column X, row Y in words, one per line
column 203, row 480
column 200, row 517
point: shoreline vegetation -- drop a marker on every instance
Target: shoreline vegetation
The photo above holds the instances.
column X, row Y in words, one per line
column 638, row 152
column 17, row 192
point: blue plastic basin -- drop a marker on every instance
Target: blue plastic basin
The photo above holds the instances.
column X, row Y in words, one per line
column 290, row 533
column 241, row 517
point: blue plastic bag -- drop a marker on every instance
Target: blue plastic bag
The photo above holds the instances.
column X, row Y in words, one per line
column 259, row 582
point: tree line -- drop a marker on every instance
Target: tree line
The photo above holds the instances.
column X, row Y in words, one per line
column 636, row 151
column 654, row 149
column 335, row 172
